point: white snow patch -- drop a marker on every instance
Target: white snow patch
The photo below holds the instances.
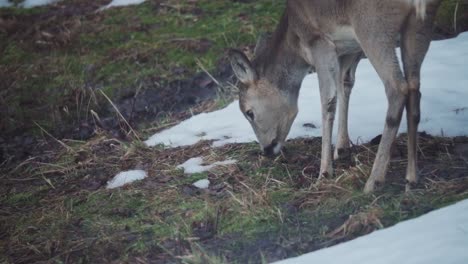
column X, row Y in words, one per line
column 443, row 86
column 122, row 3
column 34, row 3
column 440, row 236
column 126, row 177
column 27, row 3
column 5, row 3
column 194, row 165
column 202, row 184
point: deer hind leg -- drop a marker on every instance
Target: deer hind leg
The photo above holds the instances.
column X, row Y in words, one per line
column 378, row 43
column 416, row 37
column 395, row 85
column 348, row 65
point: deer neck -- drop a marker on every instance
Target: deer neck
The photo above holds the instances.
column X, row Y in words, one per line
column 280, row 61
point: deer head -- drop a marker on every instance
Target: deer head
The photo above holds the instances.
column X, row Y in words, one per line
column 268, row 97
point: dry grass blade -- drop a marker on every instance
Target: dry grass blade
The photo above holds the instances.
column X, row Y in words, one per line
column 455, row 17
column 24, row 163
column 54, row 138
column 120, row 115
column 220, row 86
column 200, row 64
column 363, row 222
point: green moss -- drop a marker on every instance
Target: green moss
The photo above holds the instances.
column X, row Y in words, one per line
column 23, row 198
column 13, row 55
column 280, row 197
column 249, row 223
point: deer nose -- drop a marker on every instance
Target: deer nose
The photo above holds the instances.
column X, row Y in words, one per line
column 269, row 150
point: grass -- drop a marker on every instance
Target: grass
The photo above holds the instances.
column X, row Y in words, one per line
column 257, row 208
column 55, row 207
column 54, row 69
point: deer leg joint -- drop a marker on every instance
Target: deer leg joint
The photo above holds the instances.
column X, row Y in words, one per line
column 331, row 105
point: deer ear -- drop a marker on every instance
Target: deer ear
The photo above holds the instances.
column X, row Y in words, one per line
column 261, row 43
column 242, row 67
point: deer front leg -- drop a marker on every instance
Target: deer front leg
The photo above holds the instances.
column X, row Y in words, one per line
column 348, row 65
column 328, row 70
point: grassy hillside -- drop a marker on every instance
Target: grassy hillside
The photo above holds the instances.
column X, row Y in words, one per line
column 57, row 59
column 57, row 65
column 55, row 206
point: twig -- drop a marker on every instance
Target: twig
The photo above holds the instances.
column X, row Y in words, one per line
column 120, row 114
column 134, row 100
column 455, row 18
column 48, row 181
column 199, row 64
column 23, row 163
column 376, row 199
column 248, row 187
column 59, row 141
column 235, row 198
column 287, row 171
column 420, row 150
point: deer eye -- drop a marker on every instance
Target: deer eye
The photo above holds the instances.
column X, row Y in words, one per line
column 250, row 114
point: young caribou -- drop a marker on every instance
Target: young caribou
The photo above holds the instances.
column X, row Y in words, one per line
column 330, row 37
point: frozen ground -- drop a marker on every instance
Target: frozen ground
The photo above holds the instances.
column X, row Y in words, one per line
column 126, row 177
column 440, row 236
column 444, row 105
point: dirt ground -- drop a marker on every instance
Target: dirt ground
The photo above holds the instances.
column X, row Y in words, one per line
column 55, row 206
column 62, row 140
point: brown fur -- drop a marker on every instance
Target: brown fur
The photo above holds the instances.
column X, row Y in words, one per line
column 330, row 37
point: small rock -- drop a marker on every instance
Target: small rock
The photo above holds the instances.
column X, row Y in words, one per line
column 309, row 125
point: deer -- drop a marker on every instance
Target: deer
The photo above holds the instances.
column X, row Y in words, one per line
column 330, row 37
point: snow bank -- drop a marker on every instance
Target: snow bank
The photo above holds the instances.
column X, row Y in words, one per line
column 5, row 3
column 27, row 3
column 126, row 177
column 194, row 165
column 224, row 126
column 34, row 3
column 123, row 3
column 443, row 86
column 440, row 236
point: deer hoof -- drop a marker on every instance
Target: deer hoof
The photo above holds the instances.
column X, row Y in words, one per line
column 409, row 186
column 372, row 186
column 342, row 155
column 325, row 174
column 369, row 187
